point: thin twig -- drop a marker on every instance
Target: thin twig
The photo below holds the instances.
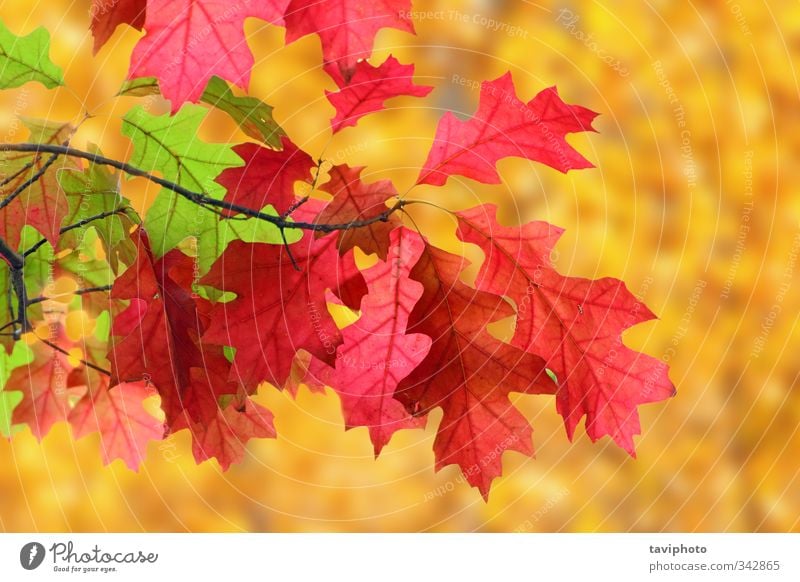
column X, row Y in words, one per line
column 79, row 224
column 23, row 169
column 289, row 251
column 85, row 291
column 297, row 204
column 22, row 187
column 66, row 353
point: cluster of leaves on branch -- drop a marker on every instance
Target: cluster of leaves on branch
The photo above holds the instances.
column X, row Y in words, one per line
column 226, row 282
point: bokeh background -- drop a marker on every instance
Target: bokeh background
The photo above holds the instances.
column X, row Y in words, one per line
column 693, row 204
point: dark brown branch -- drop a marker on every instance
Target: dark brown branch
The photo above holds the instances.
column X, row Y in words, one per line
column 85, row 291
column 15, row 175
column 22, row 187
column 78, row 224
column 197, row 197
column 66, row 353
column 16, row 262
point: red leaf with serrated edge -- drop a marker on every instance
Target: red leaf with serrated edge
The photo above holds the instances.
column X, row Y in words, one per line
column 157, row 338
column 42, row 204
column 107, row 15
column 347, row 29
column 117, row 413
column 468, row 373
column 278, row 309
column 189, row 41
column 225, row 436
column 574, row 323
column 350, row 285
column 353, row 200
column 44, row 386
column 267, row 176
column 502, row 127
column 369, row 88
column 376, row 353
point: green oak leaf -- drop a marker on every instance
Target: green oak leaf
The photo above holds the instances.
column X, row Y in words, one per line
column 170, row 145
column 253, row 115
column 92, row 192
column 139, row 87
column 26, row 58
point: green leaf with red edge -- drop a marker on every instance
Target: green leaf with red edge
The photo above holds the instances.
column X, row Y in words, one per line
column 253, row 115
column 468, row 373
column 575, row 324
column 41, row 204
column 505, row 126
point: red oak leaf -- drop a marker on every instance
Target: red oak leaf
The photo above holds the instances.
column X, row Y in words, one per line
column 350, row 286
column 505, row 126
column 117, row 413
column 108, row 14
column 43, row 383
column 41, row 204
column 377, row 353
column 189, row 41
column 225, row 436
column 279, row 307
column 468, row 373
column 347, row 29
column 574, row 323
column 267, row 176
column 353, row 200
column 369, row 88
column 157, row 338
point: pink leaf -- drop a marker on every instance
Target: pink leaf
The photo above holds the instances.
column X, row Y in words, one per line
column 505, row 126
column 190, row 41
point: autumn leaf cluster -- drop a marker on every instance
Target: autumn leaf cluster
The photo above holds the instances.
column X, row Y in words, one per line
column 227, row 281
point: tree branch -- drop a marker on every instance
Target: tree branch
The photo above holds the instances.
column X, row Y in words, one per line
column 78, row 224
column 22, row 187
column 84, row 291
column 66, row 353
column 16, row 262
column 196, row 197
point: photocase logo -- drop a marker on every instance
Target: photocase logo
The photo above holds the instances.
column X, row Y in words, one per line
column 31, row 555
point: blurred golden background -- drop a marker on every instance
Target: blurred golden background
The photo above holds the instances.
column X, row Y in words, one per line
column 693, row 204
